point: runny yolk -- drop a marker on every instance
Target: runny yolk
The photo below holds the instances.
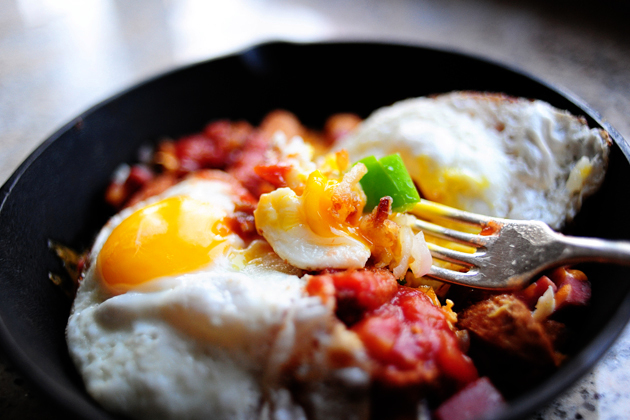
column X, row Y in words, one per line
column 173, row 236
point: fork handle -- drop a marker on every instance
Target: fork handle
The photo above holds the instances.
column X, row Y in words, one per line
column 578, row 249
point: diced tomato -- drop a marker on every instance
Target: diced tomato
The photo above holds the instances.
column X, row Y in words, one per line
column 368, row 289
column 321, row 286
column 454, row 363
column 477, row 400
column 425, row 350
column 355, row 291
column 379, row 335
column 406, row 335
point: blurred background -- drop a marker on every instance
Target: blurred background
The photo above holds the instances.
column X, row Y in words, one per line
column 60, row 57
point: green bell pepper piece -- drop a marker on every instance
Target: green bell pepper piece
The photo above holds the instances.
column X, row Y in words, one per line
column 388, row 177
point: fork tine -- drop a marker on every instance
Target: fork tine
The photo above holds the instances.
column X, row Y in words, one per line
column 426, row 207
column 451, row 234
column 457, row 257
column 452, row 276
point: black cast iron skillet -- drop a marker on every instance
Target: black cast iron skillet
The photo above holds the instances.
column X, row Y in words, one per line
column 57, row 192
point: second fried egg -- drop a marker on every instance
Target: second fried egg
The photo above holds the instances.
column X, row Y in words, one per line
column 490, row 154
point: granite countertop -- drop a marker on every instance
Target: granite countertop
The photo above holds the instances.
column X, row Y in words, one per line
column 58, row 58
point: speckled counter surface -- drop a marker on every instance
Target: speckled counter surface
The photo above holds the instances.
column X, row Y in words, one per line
column 58, row 58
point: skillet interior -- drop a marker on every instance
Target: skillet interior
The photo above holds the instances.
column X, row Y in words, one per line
column 56, row 193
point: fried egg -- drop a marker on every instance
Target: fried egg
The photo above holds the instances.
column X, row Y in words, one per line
column 177, row 318
column 490, row 154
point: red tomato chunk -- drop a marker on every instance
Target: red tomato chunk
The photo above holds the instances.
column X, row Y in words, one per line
column 406, row 335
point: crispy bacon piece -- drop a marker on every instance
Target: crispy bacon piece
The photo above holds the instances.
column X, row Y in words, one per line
column 275, row 174
column 506, row 323
column 236, row 147
column 242, row 222
column 281, row 120
column 251, row 156
column 118, row 192
column 406, row 335
column 381, row 232
column 197, row 151
column 155, row 186
column 230, row 137
column 217, row 146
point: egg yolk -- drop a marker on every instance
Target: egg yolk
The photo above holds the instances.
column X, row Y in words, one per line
column 170, row 237
column 447, row 185
column 325, row 217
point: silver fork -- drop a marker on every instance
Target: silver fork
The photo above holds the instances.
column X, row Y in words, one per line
column 509, row 253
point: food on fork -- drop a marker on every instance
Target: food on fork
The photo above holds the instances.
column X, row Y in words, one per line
column 264, row 272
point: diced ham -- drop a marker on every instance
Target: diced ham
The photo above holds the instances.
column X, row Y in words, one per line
column 573, row 287
column 479, row 399
column 569, row 288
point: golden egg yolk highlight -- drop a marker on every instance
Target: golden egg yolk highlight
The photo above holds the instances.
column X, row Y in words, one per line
column 448, row 185
column 318, row 209
column 173, row 236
